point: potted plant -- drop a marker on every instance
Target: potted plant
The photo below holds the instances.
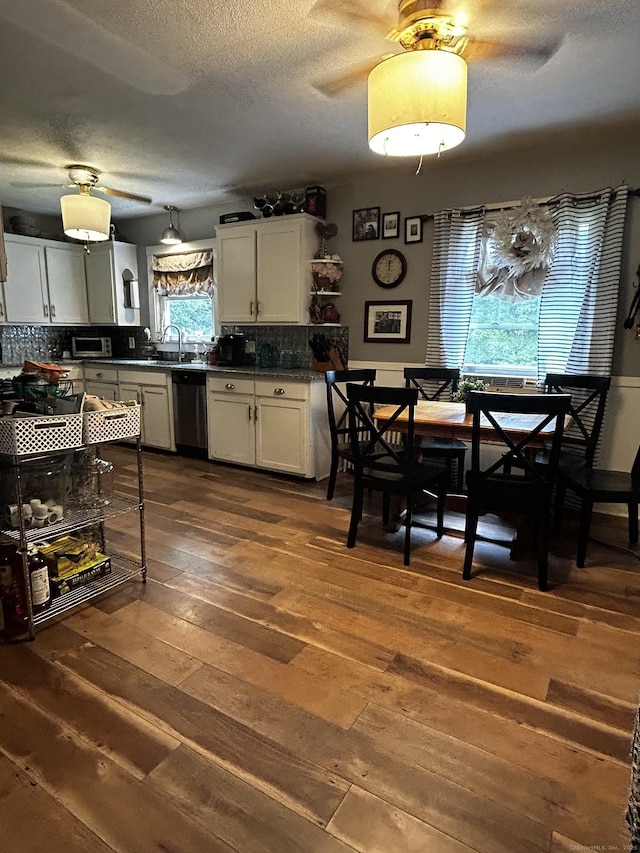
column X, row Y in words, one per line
column 467, row 385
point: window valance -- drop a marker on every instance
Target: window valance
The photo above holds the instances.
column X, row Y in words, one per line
column 188, row 274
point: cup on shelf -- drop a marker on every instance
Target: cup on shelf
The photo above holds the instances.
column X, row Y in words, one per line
column 56, row 513
column 40, row 512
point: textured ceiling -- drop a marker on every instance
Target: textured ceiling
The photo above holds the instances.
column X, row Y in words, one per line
column 194, row 102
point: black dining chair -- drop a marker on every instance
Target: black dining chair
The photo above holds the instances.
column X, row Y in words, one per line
column 513, row 483
column 588, row 402
column 384, row 463
column 598, row 485
column 337, row 406
column 439, row 383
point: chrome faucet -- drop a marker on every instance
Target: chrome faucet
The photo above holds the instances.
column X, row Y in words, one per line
column 177, row 328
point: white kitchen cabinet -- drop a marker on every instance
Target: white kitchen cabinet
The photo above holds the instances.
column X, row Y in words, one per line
column 282, row 432
column 273, row 423
column 230, row 419
column 67, row 284
column 46, row 282
column 263, row 269
column 101, row 382
column 112, row 284
column 151, row 388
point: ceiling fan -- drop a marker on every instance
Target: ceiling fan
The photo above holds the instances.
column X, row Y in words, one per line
column 425, row 25
column 85, row 217
column 86, row 178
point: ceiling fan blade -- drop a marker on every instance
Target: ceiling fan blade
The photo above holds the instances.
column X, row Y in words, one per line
column 122, row 194
column 334, row 85
column 478, row 50
column 354, row 13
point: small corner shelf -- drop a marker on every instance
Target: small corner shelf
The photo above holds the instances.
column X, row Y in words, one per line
column 325, row 293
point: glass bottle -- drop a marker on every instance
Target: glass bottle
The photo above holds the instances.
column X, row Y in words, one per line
column 38, row 581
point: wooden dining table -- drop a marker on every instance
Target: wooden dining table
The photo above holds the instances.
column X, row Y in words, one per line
column 451, row 420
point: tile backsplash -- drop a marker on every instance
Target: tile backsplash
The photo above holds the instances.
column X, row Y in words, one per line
column 290, row 344
column 48, row 343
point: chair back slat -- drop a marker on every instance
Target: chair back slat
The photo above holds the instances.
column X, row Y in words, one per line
column 433, row 383
column 588, row 402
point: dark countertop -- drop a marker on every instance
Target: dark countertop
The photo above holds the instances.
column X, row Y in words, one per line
column 301, row 374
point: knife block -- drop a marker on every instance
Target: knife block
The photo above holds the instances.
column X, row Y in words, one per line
column 321, row 366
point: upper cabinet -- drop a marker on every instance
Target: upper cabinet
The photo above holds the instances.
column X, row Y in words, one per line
column 112, row 284
column 46, row 282
column 263, row 269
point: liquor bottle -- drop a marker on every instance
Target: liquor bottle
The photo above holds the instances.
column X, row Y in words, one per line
column 38, row 581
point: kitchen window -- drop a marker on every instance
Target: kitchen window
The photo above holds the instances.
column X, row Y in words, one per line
column 192, row 314
column 184, row 289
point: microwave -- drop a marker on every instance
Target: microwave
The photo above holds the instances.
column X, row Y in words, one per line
column 88, row 347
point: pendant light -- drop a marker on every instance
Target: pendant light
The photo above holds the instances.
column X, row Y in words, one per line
column 85, row 217
column 171, row 236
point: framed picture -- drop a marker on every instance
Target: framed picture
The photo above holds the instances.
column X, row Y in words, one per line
column 366, row 223
column 387, row 321
column 413, row 229
column 390, row 225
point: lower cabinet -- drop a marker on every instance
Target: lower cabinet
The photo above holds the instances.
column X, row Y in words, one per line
column 101, row 382
column 152, row 389
column 279, row 425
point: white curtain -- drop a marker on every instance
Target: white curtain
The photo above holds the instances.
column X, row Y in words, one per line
column 456, row 254
column 579, row 300
column 580, row 295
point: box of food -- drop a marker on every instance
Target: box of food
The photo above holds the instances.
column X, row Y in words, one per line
column 73, row 561
column 82, row 574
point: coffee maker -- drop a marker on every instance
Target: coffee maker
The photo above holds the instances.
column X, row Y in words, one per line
column 232, row 349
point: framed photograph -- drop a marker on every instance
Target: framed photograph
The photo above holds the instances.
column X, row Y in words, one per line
column 387, row 321
column 413, row 229
column 366, row 223
column 390, row 225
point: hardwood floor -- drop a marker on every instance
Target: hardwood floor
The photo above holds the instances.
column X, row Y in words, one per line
column 269, row 690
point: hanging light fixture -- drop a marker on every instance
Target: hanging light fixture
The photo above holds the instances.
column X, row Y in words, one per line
column 417, row 103
column 85, row 217
column 171, row 235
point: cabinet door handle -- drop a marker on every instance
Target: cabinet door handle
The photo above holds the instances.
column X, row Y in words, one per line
column 255, row 413
column 99, row 375
column 257, row 307
column 230, row 386
column 1, row 310
column 53, row 311
column 45, row 310
column 249, row 411
column 278, row 391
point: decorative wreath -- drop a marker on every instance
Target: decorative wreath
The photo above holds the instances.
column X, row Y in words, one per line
column 523, row 240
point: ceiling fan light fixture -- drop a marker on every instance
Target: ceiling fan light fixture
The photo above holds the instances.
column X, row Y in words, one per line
column 417, row 103
column 171, row 236
column 85, row 217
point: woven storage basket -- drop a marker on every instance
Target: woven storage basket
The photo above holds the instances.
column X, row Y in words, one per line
column 22, row 436
column 111, row 425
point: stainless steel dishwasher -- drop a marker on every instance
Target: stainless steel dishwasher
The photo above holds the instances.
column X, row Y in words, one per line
column 190, row 412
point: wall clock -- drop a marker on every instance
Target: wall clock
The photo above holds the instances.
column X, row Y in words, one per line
column 389, row 268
